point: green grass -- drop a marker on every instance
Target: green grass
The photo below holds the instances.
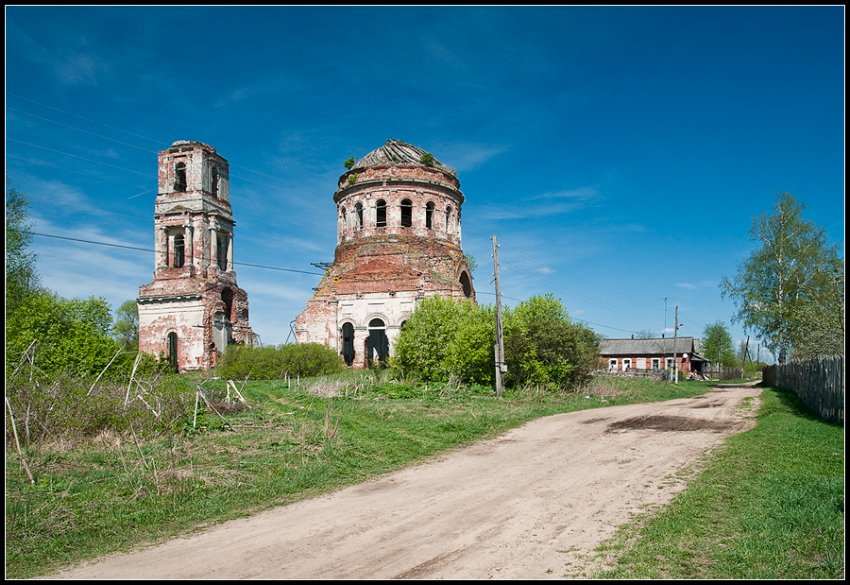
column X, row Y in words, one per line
column 768, row 505
column 111, row 493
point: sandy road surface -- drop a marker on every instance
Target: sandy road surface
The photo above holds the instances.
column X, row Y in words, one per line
column 530, row 504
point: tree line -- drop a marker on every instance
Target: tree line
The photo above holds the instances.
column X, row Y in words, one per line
column 74, row 337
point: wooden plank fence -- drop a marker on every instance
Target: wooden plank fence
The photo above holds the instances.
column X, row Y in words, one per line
column 819, row 382
column 717, row 372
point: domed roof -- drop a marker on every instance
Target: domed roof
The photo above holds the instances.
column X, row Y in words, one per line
column 399, row 152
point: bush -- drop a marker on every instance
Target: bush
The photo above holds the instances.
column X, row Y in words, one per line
column 432, row 344
column 542, row 346
column 71, row 337
column 275, row 363
column 310, row 359
column 241, row 362
column 72, row 407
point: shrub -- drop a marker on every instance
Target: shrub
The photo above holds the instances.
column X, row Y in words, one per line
column 542, row 346
column 240, row 362
column 422, row 347
column 71, row 336
column 71, row 407
column 349, row 162
column 310, row 359
column 275, row 363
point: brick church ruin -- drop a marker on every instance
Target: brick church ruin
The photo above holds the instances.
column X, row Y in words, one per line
column 193, row 308
column 398, row 241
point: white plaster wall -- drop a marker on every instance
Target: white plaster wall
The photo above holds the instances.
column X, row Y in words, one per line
column 186, row 318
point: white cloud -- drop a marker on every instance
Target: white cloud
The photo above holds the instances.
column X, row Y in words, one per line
column 57, row 194
column 465, row 156
column 543, row 205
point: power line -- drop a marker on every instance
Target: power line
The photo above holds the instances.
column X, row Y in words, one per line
column 84, row 118
column 484, row 292
column 81, row 130
column 116, row 140
column 110, row 245
column 80, row 157
column 140, row 249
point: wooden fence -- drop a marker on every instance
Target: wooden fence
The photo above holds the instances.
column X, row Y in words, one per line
column 819, row 382
column 716, row 372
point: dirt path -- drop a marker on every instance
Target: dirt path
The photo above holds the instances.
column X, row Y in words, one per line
column 530, row 504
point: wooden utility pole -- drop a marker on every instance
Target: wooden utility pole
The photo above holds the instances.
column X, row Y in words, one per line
column 675, row 358
column 499, row 348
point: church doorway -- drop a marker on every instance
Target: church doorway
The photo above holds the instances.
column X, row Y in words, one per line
column 377, row 344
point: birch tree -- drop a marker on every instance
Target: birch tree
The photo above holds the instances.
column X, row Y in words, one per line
column 778, row 287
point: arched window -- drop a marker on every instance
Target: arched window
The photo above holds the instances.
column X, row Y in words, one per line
column 448, row 218
column 358, row 209
column 380, row 213
column 406, row 213
column 172, row 350
column 221, row 250
column 180, row 177
column 429, row 215
column 348, row 343
column 227, row 299
column 465, row 284
column 214, row 181
column 179, row 251
column 343, row 214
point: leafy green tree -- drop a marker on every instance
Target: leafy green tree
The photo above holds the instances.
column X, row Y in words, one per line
column 717, row 345
column 779, row 284
column 543, row 346
column 21, row 276
column 422, row 348
column 126, row 328
column 818, row 326
column 446, row 338
column 469, row 355
column 70, row 335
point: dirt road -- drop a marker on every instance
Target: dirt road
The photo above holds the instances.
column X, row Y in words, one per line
column 530, row 504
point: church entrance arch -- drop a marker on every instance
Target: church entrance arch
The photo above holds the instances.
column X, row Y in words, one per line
column 377, row 344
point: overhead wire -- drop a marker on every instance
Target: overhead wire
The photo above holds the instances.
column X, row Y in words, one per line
column 111, row 245
column 532, row 275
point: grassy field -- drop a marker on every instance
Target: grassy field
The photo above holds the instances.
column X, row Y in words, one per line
column 112, row 492
column 768, row 505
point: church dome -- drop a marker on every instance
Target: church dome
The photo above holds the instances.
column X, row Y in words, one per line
column 398, row 152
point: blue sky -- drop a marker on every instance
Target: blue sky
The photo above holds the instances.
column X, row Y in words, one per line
column 619, row 154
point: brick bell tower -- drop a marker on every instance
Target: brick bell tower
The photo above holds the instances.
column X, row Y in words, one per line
column 193, row 308
column 398, row 241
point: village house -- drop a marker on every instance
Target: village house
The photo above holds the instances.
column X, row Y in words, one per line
column 651, row 356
